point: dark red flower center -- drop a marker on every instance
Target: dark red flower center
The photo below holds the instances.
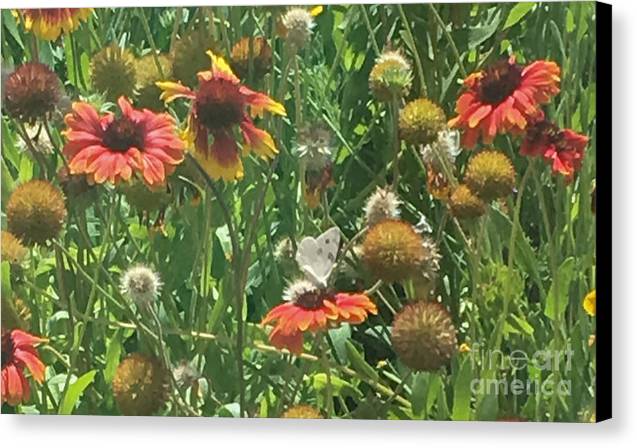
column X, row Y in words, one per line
column 499, row 82
column 123, row 134
column 219, row 104
column 312, row 300
column 7, row 348
column 547, row 133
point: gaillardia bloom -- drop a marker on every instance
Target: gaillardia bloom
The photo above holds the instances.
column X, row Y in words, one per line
column 18, row 352
column 36, row 212
column 504, row 98
column 563, row 149
column 140, row 385
column 309, row 308
column 424, row 336
column 218, row 106
column 31, row 92
column 112, row 148
column 49, row 23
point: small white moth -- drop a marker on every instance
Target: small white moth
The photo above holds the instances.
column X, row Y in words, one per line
column 317, row 256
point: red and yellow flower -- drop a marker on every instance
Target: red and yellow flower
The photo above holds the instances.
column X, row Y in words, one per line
column 563, row 149
column 114, row 147
column 219, row 106
column 504, row 98
column 18, row 352
column 49, row 23
column 308, row 308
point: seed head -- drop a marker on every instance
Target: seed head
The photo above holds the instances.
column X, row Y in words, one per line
column 261, row 57
column 36, row 212
column 12, row 249
column 490, row 174
column 382, row 204
column 302, row 411
column 140, row 385
column 465, row 204
column 141, row 284
column 113, row 72
column 31, row 92
column 189, row 57
column 391, row 76
column 147, row 75
column 423, row 336
column 420, row 121
column 298, row 24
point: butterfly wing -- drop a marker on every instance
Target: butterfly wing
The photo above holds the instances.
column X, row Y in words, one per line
column 316, row 256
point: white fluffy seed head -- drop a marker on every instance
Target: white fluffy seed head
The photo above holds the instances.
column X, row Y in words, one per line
column 297, row 289
column 382, row 204
column 298, row 24
column 141, row 284
column 447, row 144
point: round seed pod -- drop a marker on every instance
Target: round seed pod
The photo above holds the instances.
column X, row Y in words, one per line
column 420, row 121
column 465, row 204
column 423, row 336
column 490, row 175
column 302, row 411
column 139, row 385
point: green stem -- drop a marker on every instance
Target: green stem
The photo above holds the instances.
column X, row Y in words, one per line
column 151, row 42
column 414, row 48
column 449, row 38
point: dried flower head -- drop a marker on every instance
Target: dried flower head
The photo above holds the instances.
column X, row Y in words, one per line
column 420, row 121
column 36, row 212
column 393, row 250
column 12, row 249
column 429, row 267
column 113, row 72
column 140, row 385
column 465, row 204
column 423, row 336
column 189, row 57
column 382, row 204
column 31, row 92
column 391, row 76
column 141, row 284
column 490, row 174
column 314, row 146
column 148, row 74
column 302, row 411
column 297, row 25
column 251, row 50
column 185, row 374
column 446, row 145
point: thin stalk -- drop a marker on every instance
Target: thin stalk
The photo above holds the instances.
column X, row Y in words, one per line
column 412, row 45
column 449, row 38
column 151, row 41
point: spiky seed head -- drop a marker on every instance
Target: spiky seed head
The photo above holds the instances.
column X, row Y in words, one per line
column 261, row 57
column 189, row 57
column 140, row 385
column 420, row 121
column 298, row 24
column 391, row 76
column 302, row 411
column 31, row 92
column 314, row 146
column 141, row 284
column 423, row 336
column 36, row 212
column 382, row 204
column 490, row 174
column 447, row 145
column 147, row 75
column 465, row 204
column 393, row 250
column 113, row 72
column 12, row 249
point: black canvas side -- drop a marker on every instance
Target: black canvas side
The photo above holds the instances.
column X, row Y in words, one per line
column 604, row 213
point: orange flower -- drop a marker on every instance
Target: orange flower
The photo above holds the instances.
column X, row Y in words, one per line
column 48, row 24
column 111, row 147
column 18, row 352
column 504, row 98
column 313, row 309
column 218, row 107
column 563, row 149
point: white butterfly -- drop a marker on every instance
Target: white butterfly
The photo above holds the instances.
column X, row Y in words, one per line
column 317, row 256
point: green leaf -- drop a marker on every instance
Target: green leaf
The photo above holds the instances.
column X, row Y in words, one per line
column 113, row 353
column 517, row 13
column 359, row 364
column 339, row 386
column 557, row 298
column 479, row 34
column 75, row 392
column 419, row 392
column 462, row 392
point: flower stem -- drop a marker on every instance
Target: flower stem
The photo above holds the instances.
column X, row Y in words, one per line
column 329, row 399
column 151, row 42
column 412, row 45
